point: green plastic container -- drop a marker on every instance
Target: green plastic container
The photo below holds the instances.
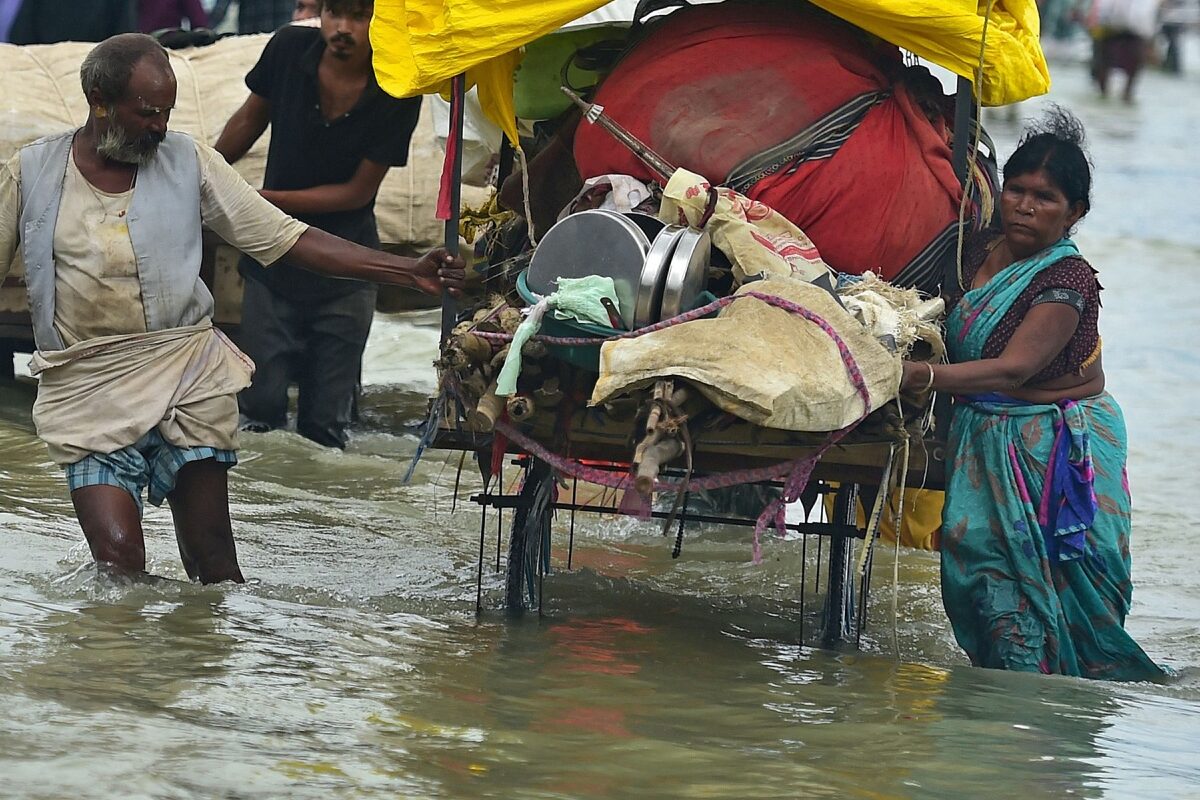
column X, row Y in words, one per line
column 583, row 356
column 536, row 93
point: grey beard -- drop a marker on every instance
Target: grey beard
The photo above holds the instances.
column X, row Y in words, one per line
column 115, row 145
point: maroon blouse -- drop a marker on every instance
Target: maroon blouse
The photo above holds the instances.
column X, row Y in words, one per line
column 1071, row 280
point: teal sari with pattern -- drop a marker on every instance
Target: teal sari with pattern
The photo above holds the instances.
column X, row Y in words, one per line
column 1035, row 531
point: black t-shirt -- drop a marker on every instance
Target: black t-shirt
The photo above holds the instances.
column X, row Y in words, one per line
column 307, row 150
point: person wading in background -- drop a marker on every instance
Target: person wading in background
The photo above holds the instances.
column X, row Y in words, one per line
column 334, row 135
column 263, row 16
column 136, row 388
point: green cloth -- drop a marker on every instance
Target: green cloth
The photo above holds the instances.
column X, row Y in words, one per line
column 577, row 299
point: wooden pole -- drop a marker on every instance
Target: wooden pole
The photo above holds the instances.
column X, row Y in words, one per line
column 964, row 113
column 455, row 140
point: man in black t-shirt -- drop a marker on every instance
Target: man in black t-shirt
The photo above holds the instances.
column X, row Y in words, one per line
column 334, row 135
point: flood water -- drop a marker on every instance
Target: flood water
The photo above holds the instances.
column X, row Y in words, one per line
column 352, row 664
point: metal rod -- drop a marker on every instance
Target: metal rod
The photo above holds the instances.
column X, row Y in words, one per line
column 679, row 535
column 820, row 558
column 803, row 575
column 813, row 528
column 500, row 517
column 864, row 585
column 543, row 557
column 571, row 540
column 595, row 115
column 457, row 102
column 479, row 570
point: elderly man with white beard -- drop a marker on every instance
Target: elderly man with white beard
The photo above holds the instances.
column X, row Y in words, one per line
column 136, row 388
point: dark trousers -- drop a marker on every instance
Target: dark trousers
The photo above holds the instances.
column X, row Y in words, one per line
column 317, row 345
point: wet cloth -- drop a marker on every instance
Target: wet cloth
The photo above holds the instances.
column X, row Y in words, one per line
column 1036, row 577
column 576, row 299
column 150, row 463
column 105, row 394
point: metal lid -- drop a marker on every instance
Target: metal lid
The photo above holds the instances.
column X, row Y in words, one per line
column 687, row 273
column 592, row 242
column 654, row 273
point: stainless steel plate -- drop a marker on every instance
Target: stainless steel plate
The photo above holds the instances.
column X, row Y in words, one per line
column 687, row 273
column 650, row 288
column 593, row 242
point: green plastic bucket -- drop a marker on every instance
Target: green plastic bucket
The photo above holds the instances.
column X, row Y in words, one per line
column 536, row 92
column 583, row 356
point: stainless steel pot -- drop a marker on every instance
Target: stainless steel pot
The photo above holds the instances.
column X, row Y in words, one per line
column 654, row 273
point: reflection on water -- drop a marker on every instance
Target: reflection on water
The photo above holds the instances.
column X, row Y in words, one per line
column 352, row 664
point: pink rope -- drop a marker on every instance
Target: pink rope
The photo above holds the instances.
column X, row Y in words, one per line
column 622, row 480
column 798, row 471
column 703, row 311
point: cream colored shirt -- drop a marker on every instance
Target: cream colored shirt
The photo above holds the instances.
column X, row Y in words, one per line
column 97, row 291
column 96, row 287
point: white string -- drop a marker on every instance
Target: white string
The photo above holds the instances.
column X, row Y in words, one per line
column 525, row 196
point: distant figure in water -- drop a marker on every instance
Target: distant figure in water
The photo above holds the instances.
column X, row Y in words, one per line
column 1121, row 34
column 1036, row 525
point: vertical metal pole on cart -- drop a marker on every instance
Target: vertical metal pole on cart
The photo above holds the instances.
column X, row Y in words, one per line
column 964, row 113
column 452, row 185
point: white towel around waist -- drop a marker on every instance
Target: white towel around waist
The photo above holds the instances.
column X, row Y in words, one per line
column 104, row 394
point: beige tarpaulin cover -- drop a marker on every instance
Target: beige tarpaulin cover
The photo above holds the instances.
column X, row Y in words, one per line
column 761, row 363
column 42, row 96
column 421, row 44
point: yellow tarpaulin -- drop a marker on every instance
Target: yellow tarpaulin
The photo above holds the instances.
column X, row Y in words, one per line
column 949, row 32
column 421, row 44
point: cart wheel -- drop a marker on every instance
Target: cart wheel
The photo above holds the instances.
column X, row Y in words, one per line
column 839, row 597
column 529, row 545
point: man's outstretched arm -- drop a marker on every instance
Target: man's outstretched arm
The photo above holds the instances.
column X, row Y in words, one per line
column 330, row 255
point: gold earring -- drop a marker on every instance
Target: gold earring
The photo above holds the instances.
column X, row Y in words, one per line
column 100, row 112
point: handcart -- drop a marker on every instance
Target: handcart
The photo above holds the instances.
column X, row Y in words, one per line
column 559, row 442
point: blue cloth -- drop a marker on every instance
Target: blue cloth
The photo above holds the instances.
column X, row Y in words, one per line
column 1068, row 503
column 149, row 463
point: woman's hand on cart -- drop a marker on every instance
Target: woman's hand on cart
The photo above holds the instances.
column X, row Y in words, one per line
column 917, row 379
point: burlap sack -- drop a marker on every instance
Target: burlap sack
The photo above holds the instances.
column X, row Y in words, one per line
column 761, row 363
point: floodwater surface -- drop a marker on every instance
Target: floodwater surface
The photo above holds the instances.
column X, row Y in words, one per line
column 352, row 665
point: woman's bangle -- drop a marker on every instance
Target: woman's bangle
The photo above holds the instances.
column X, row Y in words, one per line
column 929, row 383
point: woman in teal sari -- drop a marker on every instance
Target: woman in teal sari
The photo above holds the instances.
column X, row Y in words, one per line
column 1035, row 532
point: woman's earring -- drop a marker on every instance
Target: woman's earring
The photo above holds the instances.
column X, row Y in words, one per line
column 100, row 112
